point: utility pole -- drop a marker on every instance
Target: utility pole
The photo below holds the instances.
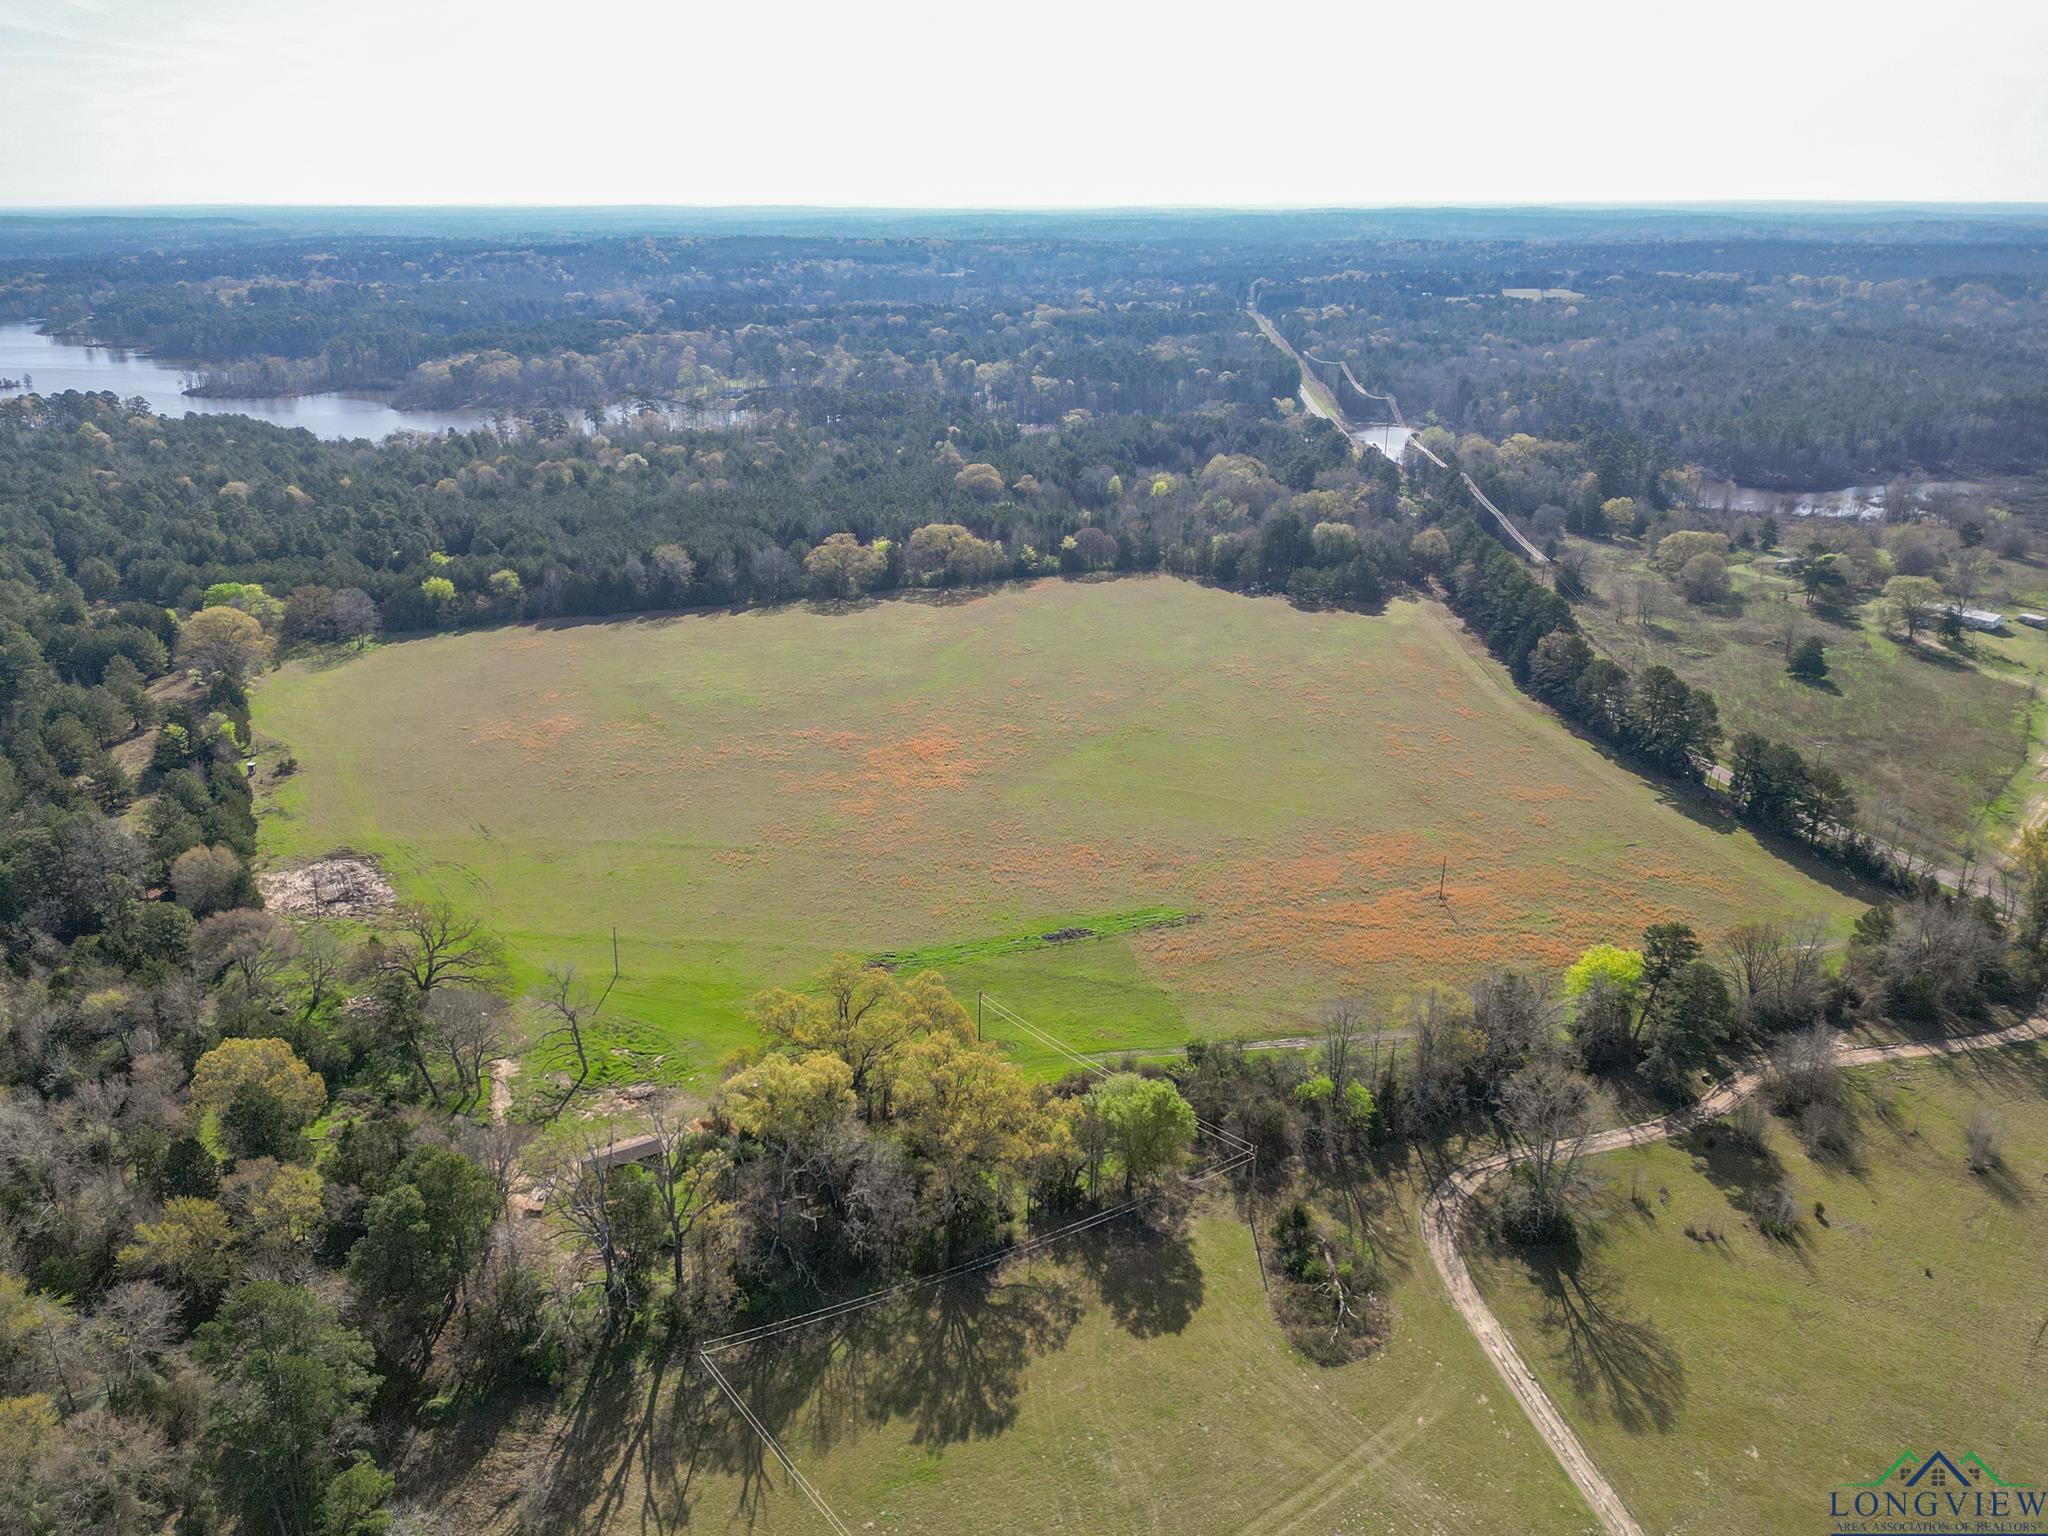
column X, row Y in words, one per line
column 1442, row 870
column 977, row 1016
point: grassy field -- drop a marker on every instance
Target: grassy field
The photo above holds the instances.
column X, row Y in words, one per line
column 1729, row 1385
column 1251, row 804
column 1114, row 1385
column 1944, row 742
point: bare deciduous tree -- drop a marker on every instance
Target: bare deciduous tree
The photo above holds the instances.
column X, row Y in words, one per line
column 1804, row 1070
column 322, row 959
column 251, row 946
column 432, row 945
column 690, row 1176
column 1644, row 600
column 1546, row 1109
column 573, row 1007
column 579, row 1187
column 468, row 1027
column 1439, row 1054
column 1938, row 952
column 1777, row 972
column 1777, row 1210
column 1517, row 1017
column 1343, row 1022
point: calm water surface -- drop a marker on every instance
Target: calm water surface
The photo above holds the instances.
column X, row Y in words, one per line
column 1391, row 441
column 50, row 365
column 1859, row 503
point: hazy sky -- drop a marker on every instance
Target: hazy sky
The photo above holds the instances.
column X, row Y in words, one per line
column 1048, row 102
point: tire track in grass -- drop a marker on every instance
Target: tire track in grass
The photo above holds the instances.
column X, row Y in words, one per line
column 1445, row 1209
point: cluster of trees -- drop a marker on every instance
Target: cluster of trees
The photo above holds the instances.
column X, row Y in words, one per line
column 1653, row 714
column 250, row 1212
column 246, row 1215
column 201, row 1297
column 198, row 1298
column 347, row 539
column 870, row 1135
column 1520, row 1056
column 78, row 685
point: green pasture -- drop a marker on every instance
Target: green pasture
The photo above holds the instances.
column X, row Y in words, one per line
column 1253, row 809
column 1115, row 1383
column 1939, row 743
column 1727, row 1380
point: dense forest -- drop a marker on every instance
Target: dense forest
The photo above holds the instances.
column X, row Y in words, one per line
column 1854, row 369
column 1782, row 350
column 257, row 1226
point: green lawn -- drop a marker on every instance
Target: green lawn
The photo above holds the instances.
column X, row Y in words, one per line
column 1729, row 1385
column 1111, row 1386
column 1938, row 745
column 742, row 794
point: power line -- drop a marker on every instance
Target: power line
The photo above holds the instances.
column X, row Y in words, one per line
column 1228, row 1137
column 1239, row 1154
column 775, row 1445
column 852, row 1304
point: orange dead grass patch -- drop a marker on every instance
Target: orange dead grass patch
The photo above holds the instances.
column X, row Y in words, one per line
column 1540, row 794
column 536, row 737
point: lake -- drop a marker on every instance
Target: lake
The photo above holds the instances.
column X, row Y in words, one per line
column 1860, row 503
column 50, row 365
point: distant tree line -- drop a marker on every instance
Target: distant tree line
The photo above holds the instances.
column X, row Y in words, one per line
column 474, row 528
column 1653, row 715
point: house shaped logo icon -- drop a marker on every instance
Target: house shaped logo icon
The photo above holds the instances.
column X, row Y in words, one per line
column 1937, row 1471
column 1922, row 1494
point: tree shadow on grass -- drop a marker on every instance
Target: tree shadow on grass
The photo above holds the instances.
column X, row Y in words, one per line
column 1998, row 1177
column 1738, row 1168
column 1613, row 1359
column 638, row 1426
column 953, row 1362
column 1747, row 1176
column 2015, row 1069
column 1147, row 1277
column 483, row 1423
column 1744, row 1173
column 949, row 1360
column 1705, row 807
column 1377, row 1213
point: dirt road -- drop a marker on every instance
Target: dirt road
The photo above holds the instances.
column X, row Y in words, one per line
column 503, row 1070
column 1444, row 1211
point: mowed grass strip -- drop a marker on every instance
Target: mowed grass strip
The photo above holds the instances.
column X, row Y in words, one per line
column 744, row 794
column 1729, row 1384
column 1072, row 931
